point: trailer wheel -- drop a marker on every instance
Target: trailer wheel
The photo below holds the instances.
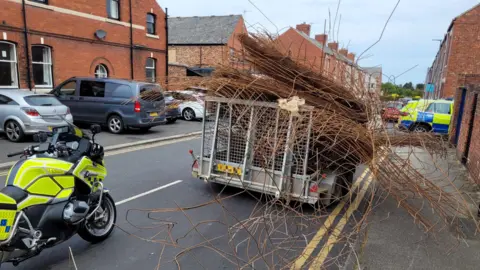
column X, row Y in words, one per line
column 341, row 188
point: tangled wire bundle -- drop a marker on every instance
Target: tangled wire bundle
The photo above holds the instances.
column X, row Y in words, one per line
column 345, row 125
column 346, row 131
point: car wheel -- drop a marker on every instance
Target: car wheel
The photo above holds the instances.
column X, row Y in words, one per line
column 188, row 114
column 420, row 128
column 115, row 124
column 14, row 131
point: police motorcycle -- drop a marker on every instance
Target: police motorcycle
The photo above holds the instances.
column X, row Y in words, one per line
column 54, row 192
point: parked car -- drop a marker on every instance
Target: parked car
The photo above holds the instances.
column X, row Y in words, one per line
column 392, row 111
column 436, row 118
column 409, row 113
column 117, row 104
column 193, row 106
column 172, row 109
column 23, row 112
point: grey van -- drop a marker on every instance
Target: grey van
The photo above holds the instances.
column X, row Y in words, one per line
column 117, row 104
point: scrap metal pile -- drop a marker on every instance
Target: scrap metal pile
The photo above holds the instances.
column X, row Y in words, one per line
column 346, row 126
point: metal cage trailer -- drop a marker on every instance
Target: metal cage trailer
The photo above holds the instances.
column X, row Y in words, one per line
column 260, row 147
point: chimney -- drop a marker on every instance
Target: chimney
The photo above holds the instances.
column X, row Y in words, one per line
column 305, row 28
column 333, row 46
column 351, row 56
column 344, row 52
column 321, row 38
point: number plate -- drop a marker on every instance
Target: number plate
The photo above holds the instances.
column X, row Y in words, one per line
column 175, row 106
column 229, row 169
column 153, row 114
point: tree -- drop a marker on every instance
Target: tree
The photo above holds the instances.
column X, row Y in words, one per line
column 420, row 86
column 408, row 85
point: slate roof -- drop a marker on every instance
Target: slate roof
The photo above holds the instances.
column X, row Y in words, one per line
column 201, row 30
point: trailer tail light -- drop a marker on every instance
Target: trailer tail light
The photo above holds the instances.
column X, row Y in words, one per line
column 31, row 111
column 314, row 187
column 137, row 107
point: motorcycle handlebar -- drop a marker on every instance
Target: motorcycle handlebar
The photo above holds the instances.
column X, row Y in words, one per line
column 15, row 154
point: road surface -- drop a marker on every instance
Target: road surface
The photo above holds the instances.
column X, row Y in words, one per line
column 107, row 139
column 216, row 235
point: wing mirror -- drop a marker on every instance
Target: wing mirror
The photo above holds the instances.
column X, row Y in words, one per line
column 40, row 137
column 95, row 129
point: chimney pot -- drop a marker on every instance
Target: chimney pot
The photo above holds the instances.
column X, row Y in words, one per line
column 344, row 52
column 305, row 28
column 351, row 56
column 321, row 38
column 333, row 46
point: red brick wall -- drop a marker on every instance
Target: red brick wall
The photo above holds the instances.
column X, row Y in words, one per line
column 200, row 55
column 473, row 163
column 464, row 55
column 75, row 49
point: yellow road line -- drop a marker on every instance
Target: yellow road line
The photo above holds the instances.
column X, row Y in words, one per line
column 307, row 252
column 320, row 259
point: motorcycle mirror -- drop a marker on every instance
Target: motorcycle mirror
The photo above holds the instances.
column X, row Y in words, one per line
column 95, row 129
column 40, row 137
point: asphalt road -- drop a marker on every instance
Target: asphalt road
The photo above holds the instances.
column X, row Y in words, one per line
column 106, row 139
column 225, row 234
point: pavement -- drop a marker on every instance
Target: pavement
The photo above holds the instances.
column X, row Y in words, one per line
column 108, row 139
column 392, row 240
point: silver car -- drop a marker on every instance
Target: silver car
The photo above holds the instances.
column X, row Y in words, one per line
column 24, row 113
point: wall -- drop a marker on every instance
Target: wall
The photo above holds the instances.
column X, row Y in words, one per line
column 459, row 54
column 473, row 161
column 68, row 27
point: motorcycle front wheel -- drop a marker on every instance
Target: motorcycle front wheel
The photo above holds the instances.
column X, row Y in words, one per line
column 101, row 224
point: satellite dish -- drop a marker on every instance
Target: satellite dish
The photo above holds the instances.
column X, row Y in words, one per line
column 100, row 34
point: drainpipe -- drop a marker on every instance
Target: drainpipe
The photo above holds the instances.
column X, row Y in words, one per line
column 27, row 51
column 166, row 44
column 131, row 40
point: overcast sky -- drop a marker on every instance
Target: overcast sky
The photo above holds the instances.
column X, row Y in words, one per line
column 406, row 42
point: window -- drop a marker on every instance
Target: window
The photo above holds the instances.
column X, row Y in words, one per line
column 8, row 65
column 92, row 89
column 151, row 23
column 119, row 90
column 151, row 92
column 7, row 101
column 42, row 66
column 101, row 71
column 113, row 7
column 150, row 69
column 68, row 89
column 40, row 1
column 443, row 108
column 41, row 100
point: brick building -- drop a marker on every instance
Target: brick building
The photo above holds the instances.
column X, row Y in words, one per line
column 44, row 42
column 339, row 64
column 458, row 55
column 197, row 44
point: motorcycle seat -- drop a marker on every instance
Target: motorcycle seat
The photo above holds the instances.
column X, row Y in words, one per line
column 15, row 193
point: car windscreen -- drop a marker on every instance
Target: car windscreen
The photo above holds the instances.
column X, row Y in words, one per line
column 40, row 100
column 151, row 92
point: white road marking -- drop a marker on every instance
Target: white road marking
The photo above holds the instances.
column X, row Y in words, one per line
column 148, row 192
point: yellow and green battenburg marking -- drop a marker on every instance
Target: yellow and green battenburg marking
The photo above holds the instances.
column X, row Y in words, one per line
column 7, row 216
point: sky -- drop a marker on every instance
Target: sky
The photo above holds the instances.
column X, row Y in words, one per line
column 408, row 40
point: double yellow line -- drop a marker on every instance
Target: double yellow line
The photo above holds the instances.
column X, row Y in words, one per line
column 337, row 230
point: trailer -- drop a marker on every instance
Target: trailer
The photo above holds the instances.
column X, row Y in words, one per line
column 261, row 147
